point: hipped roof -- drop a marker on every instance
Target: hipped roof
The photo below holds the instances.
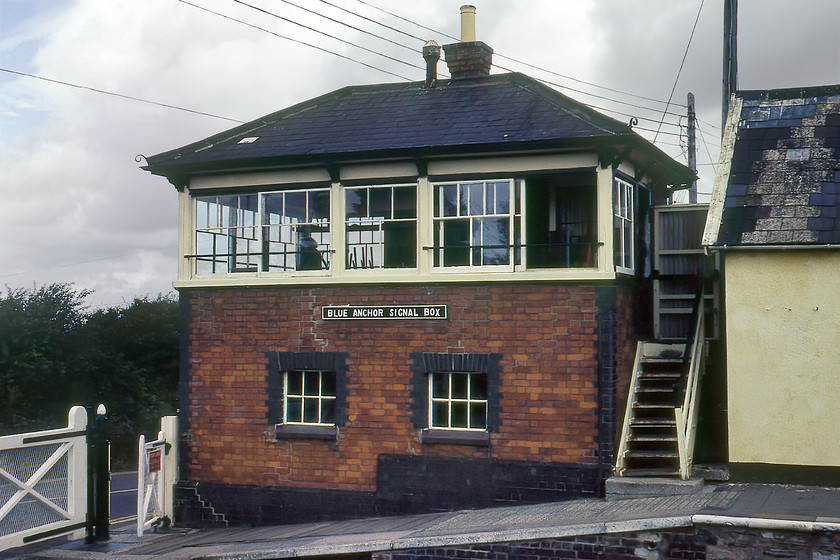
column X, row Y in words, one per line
column 499, row 113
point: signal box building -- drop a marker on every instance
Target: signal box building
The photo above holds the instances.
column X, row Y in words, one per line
column 410, row 297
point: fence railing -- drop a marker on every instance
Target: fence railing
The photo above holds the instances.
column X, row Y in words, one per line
column 43, row 483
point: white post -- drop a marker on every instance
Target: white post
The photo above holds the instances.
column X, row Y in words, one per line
column 77, row 471
column 169, row 427
column 141, row 486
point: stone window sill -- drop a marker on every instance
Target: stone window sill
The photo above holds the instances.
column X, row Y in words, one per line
column 296, row 431
column 456, row 437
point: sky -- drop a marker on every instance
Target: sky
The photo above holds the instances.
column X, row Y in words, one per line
column 76, row 206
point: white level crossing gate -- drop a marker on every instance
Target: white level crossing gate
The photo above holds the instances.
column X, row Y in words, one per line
column 155, row 477
column 43, row 482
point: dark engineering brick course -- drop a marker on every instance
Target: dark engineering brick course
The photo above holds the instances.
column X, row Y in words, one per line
column 407, row 484
column 694, row 543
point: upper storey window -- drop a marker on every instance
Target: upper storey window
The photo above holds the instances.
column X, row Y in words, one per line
column 226, row 234
column 535, row 224
column 276, row 231
column 476, row 224
column 296, row 230
column 623, row 216
column 561, row 229
column 381, row 227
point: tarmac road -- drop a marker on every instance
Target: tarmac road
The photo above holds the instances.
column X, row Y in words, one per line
column 123, row 499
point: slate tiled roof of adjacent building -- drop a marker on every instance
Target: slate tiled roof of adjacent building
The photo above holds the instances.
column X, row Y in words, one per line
column 784, row 181
column 495, row 113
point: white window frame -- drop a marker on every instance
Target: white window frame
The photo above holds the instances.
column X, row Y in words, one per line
column 323, row 249
column 320, row 398
column 376, row 224
column 438, row 217
column 227, row 225
column 449, row 400
column 256, row 259
column 624, row 241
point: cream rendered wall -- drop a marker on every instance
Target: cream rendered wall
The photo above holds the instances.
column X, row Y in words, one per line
column 783, row 346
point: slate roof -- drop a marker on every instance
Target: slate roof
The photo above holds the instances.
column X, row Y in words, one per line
column 783, row 186
column 499, row 112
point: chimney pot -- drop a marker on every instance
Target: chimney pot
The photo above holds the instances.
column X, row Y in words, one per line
column 467, row 23
column 431, row 54
column 468, row 58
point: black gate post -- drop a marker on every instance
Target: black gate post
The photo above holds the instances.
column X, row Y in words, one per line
column 99, row 478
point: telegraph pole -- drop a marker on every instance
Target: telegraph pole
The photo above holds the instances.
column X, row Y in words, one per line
column 730, row 55
column 692, row 148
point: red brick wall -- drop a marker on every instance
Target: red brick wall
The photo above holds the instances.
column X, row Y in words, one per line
column 627, row 336
column 546, row 334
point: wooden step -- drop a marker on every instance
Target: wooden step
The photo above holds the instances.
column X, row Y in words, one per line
column 654, row 422
column 651, row 438
column 661, row 360
column 664, row 390
column 652, row 454
column 653, row 405
column 660, row 374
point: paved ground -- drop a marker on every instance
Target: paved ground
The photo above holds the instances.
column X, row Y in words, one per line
column 754, row 505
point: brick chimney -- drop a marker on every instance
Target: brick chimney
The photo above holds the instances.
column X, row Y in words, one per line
column 468, row 58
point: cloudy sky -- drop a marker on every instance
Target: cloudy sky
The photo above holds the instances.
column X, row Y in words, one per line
column 76, row 207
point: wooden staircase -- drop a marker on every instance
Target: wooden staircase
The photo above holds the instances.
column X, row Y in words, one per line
column 660, row 422
column 651, row 442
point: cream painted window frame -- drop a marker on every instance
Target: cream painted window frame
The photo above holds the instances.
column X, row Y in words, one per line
column 320, row 398
column 624, row 223
column 342, row 211
column 437, row 247
column 468, row 401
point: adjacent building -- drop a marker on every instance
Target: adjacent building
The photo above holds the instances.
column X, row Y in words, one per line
column 775, row 219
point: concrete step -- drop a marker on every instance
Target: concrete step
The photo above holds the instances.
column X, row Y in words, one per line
column 619, row 487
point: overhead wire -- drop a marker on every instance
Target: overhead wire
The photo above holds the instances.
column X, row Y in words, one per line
column 555, row 84
column 682, row 63
column 582, row 92
column 322, row 49
column 601, row 108
column 708, row 152
column 420, row 25
column 578, row 80
column 344, row 23
column 123, row 96
column 98, row 259
column 364, row 17
column 310, row 28
column 596, row 107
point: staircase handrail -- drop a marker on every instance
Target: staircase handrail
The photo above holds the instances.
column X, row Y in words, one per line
column 620, row 461
column 685, row 413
